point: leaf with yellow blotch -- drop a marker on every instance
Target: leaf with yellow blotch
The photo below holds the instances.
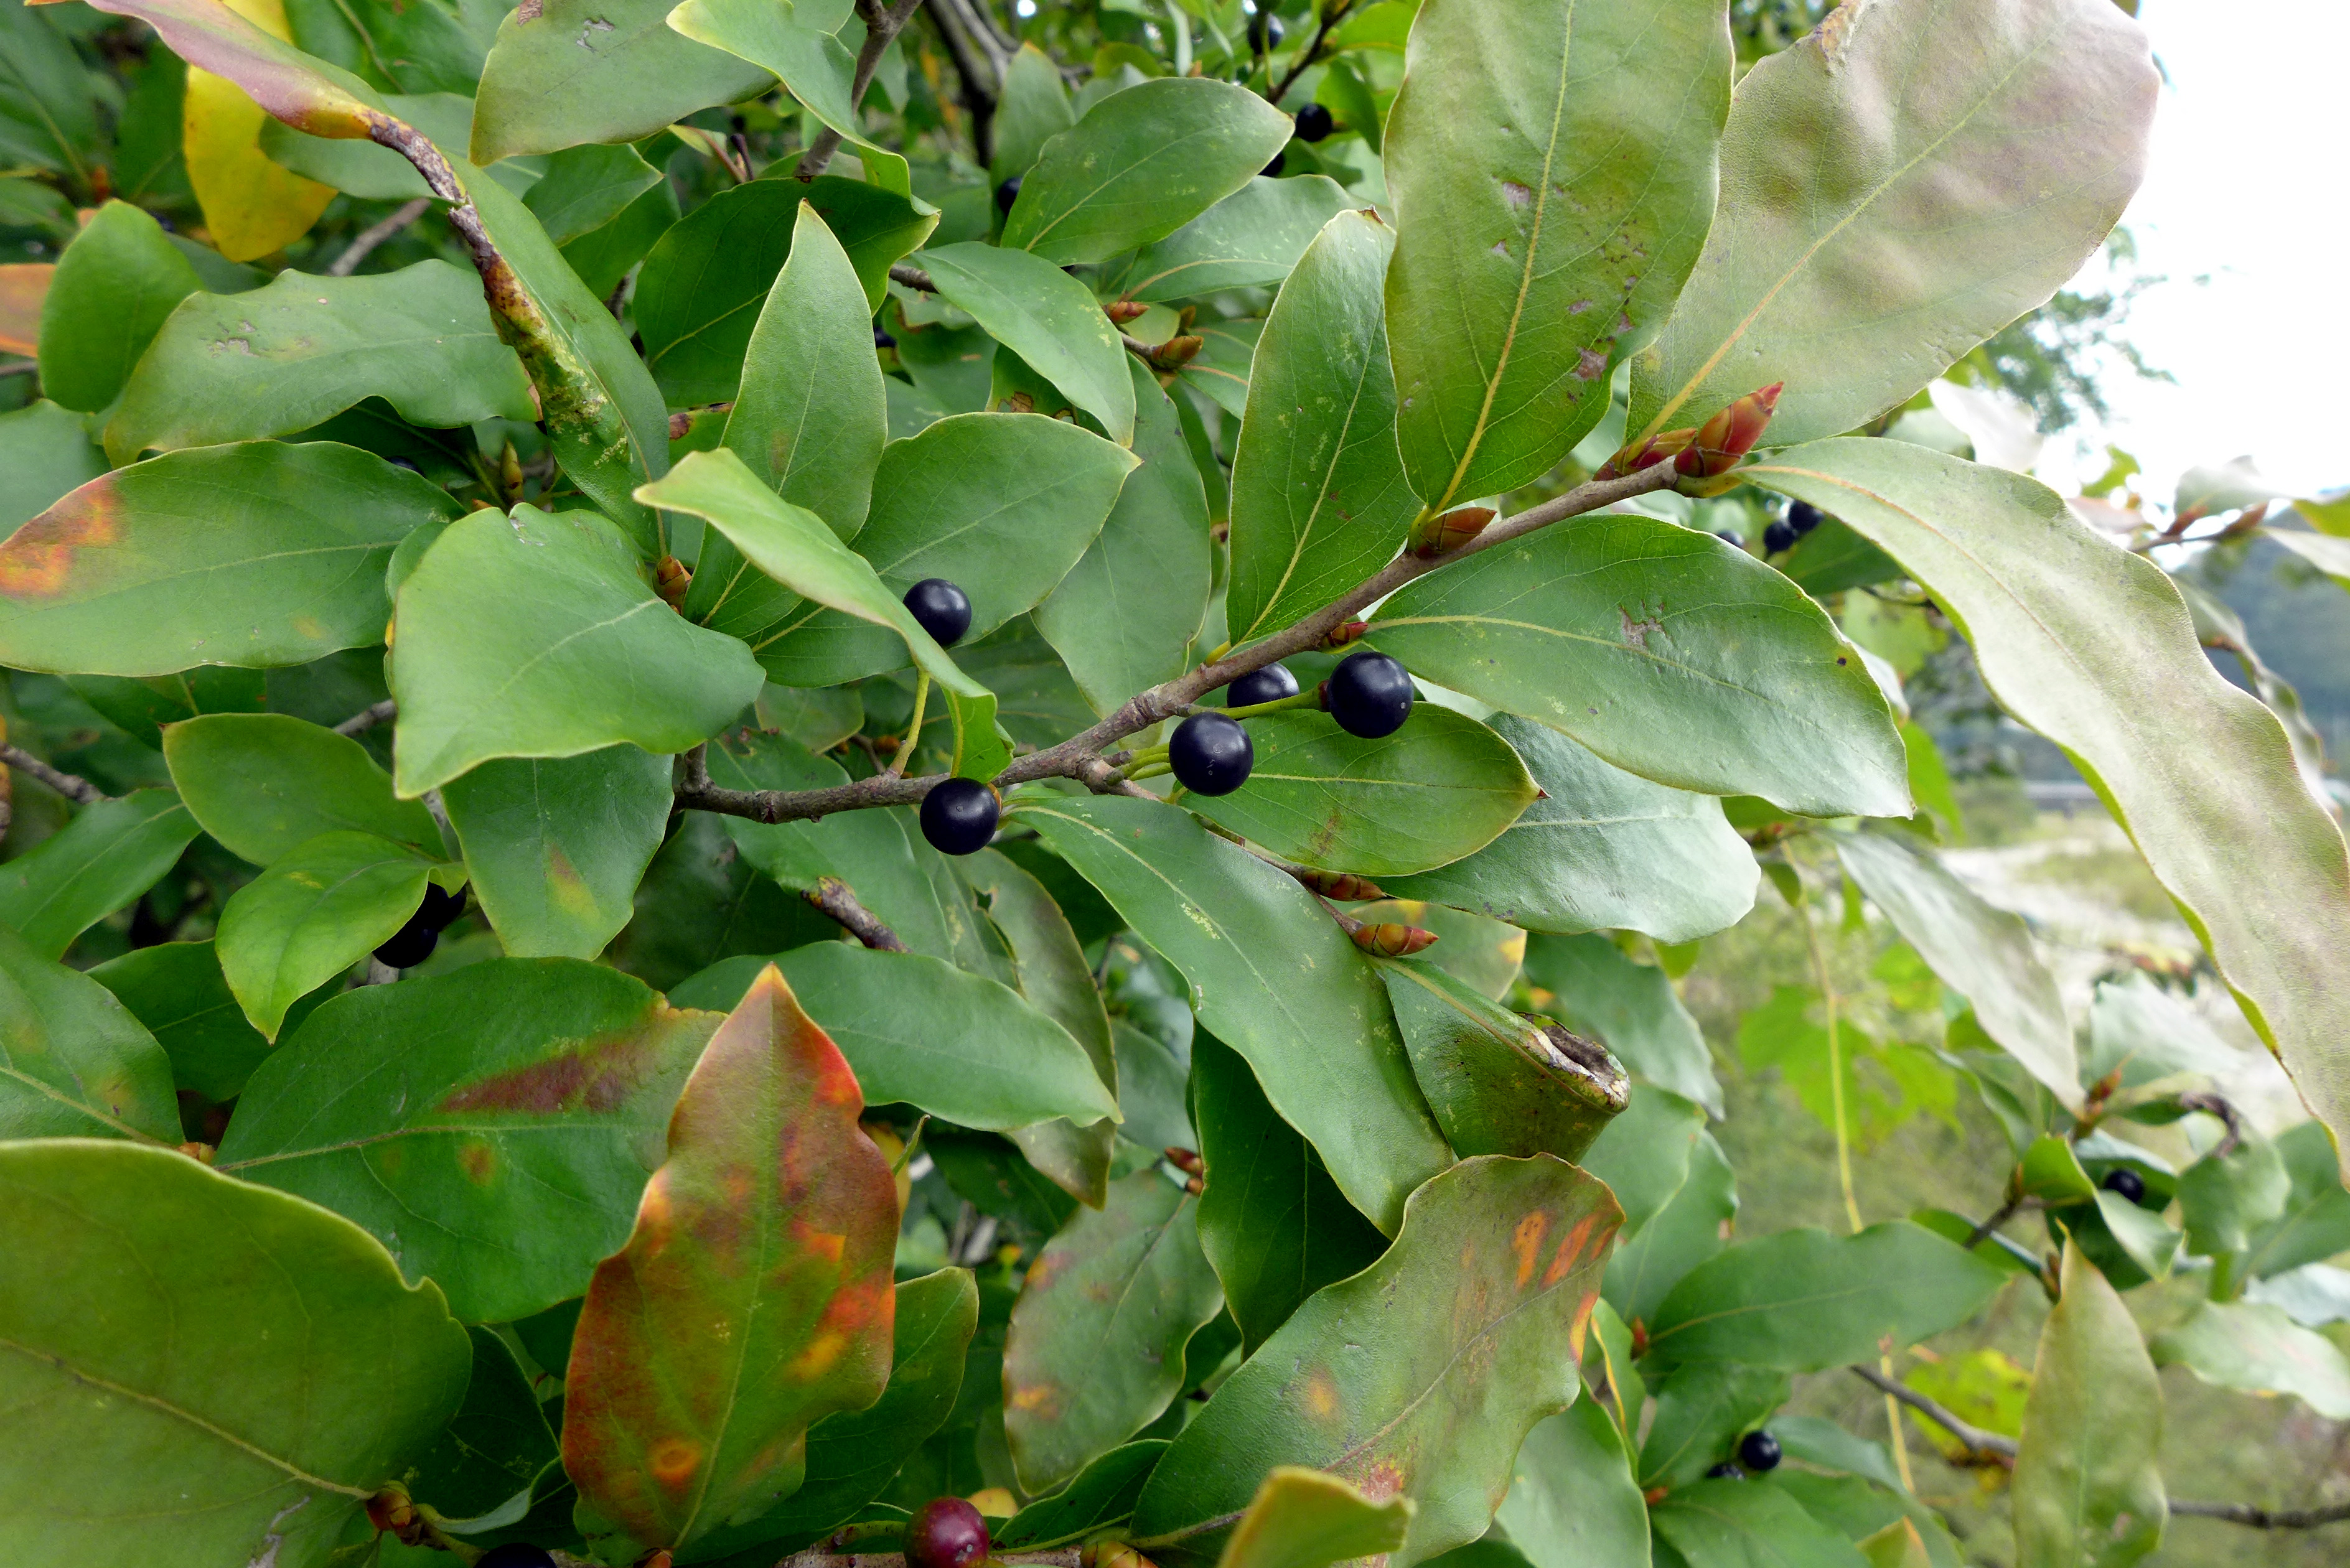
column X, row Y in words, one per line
column 697, row 1368
column 252, row 206
column 1303, row 1519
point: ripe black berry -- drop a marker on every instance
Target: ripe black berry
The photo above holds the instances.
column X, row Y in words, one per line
column 946, row 1532
column 1727, row 538
column 440, row 911
column 512, row 1555
column 883, row 338
column 1264, row 29
column 1369, row 694
column 1779, row 536
column 1725, row 1471
column 1804, row 516
column 410, row 945
column 1007, row 194
column 1759, row 1450
column 1269, row 684
column 1273, row 170
column 943, row 608
column 1211, row 754
column 2127, row 1182
column 1314, row 123
column 959, row 816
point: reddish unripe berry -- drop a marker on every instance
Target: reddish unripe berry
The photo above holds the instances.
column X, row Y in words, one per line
column 946, row 1532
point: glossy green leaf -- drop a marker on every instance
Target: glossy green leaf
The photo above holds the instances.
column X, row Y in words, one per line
column 1481, row 953
column 586, row 187
column 1140, row 164
column 555, row 846
column 697, row 1368
column 2255, row 1347
column 142, row 706
column 2050, row 1172
column 257, row 556
column 2316, row 1221
column 114, row 286
column 1604, row 850
column 1690, row 1227
column 1702, row 1410
column 302, row 1375
column 1319, row 500
column 1252, row 237
column 1096, row 1350
column 817, row 68
column 45, row 452
column 176, row 991
column 2071, row 633
column 603, row 259
column 1045, row 315
column 1885, row 205
column 315, row 912
column 1273, row 976
column 262, row 783
column 1643, row 1154
column 1274, row 1224
column 1499, row 1082
column 1417, row 1378
column 1441, row 787
column 1104, row 1490
column 1802, row 1300
column 537, row 636
column 513, row 1109
column 106, row 856
column 1597, row 990
column 2088, row 1490
column 1302, row 1518
column 1124, row 616
column 1573, row 1500
column 1552, row 171
column 1668, row 653
column 50, row 118
column 496, row 1446
column 585, row 70
column 1033, row 107
column 299, row 88
column 2235, row 1191
column 1983, row 953
column 1748, row 1524
column 74, row 1062
column 1221, row 371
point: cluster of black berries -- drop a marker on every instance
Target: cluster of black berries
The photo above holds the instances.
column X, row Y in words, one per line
column 1781, row 535
column 413, row 942
column 1758, row 1451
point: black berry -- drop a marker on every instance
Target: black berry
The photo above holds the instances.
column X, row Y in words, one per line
column 1727, row 538
column 2127, row 1182
column 1779, row 536
column 517, row 1556
column 1211, row 754
column 1264, row 31
column 943, row 608
column 440, row 911
column 1759, row 1450
column 1007, row 194
column 946, row 1532
column 1269, row 684
column 1804, row 516
column 410, row 945
column 1725, row 1471
column 883, row 338
column 1273, row 170
column 1314, row 123
column 1369, row 694
column 959, row 816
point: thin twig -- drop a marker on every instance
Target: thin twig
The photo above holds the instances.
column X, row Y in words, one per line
column 878, row 36
column 979, row 66
column 375, row 235
column 831, row 895
column 1976, row 1440
column 80, row 791
column 20, row 366
column 2263, row 1517
column 2006, row 1212
column 1313, row 52
column 913, row 277
column 368, row 718
column 806, row 805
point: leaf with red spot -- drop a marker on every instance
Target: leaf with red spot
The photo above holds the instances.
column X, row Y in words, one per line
column 1419, row 1378
column 753, row 1297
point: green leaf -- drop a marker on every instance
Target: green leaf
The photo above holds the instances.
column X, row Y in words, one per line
column 2050, row 1172
column 1604, row 850
column 1124, row 616
column 1271, row 975
column 537, row 636
column 1884, row 206
column 1803, row 1300
column 602, row 258
column 2316, row 1213
column 1319, row 500
column 585, row 188
column 114, row 286
column 1096, row 1351
column 2255, row 1347
column 1419, row 1378
column 588, row 70
column 794, row 548
column 45, row 452
column 258, row 555
column 314, row 912
column 707, row 284
column 696, row 1369
column 1032, row 108
column 1643, row 1153
column 262, row 783
column 2327, row 554
column 50, row 116
column 1250, row 238
column 1302, row 1518
column 1667, row 651
column 555, row 846
column 1748, row 1524
column 1103, row 1493
column 1274, row 1224
column 2232, row 1193
column 2071, row 635
column 1499, row 1082
column 1221, row 371
column 309, row 1375
column 142, row 706
column 1140, row 164
column 1573, row 1501
column 106, row 856
column 1627, row 1006
column 229, row 367
column 74, row 1062
column 496, row 1444
column 1045, row 315
column 1690, row 1227
column 1702, row 1410
column 177, row 991
column 1552, row 171
column 2088, row 1490
column 1441, row 787
column 1983, row 953
column 517, row 1105
column 817, row 68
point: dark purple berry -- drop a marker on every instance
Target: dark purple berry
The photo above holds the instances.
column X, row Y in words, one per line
column 1779, row 536
column 959, row 816
column 410, row 945
column 1369, row 694
column 2129, row 1183
column 403, row 463
column 1269, row 684
column 946, row 1532
column 1264, row 29
column 1273, row 170
column 1725, row 1471
column 1314, row 123
column 1211, row 754
column 883, row 338
column 516, row 1555
column 1758, row 1451
column 943, row 608
column 440, row 911
column 1727, row 538
column 1007, row 194
column 1803, row 517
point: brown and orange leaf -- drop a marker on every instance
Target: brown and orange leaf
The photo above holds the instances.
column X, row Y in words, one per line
column 753, row 1297
column 303, row 92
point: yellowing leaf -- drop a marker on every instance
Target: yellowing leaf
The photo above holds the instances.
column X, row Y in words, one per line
column 252, row 206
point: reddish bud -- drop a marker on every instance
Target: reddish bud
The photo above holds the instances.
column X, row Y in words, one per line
column 1390, row 939
column 1124, row 310
column 1345, row 632
column 1184, row 1160
column 1441, row 535
column 1631, row 460
column 671, row 580
column 680, row 424
column 1343, row 885
column 1177, row 352
column 1722, row 440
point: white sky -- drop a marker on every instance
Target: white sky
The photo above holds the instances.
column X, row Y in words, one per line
column 2246, row 211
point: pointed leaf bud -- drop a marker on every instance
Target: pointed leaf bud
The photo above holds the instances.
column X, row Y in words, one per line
column 1436, row 536
column 1124, row 310
column 1177, row 352
column 1343, row 885
column 671, row 580
column 1391, row 939
column 1345, row 632
column 1722, row 440
column 1632, row 459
